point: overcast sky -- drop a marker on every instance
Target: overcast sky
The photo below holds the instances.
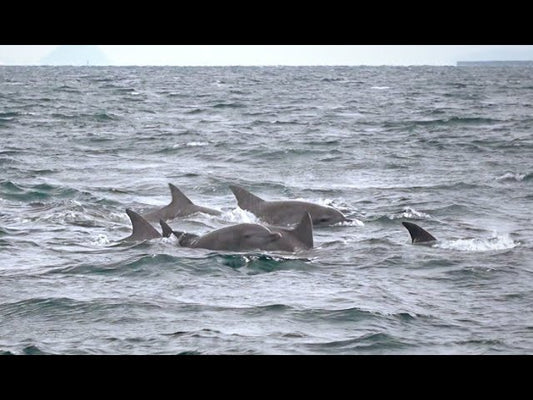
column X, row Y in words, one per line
column 271, row 54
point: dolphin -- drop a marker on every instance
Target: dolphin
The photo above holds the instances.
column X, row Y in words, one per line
column 142, row 230
column 180, row 206
column 232, row 238
column 235, row 237
column 286, row 212
column 418, row 235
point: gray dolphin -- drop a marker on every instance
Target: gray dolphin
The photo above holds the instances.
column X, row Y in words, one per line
column 287, row 212
column 142, row 230
column 180, row 206
column 249, row 237
column 418, row 235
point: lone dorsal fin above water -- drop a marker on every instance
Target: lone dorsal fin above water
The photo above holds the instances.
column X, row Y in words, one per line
column 245, row 199
column 418, row 235
column 304, row 230
column 142, row 230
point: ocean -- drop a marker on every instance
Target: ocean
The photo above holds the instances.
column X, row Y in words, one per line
column 448, row 148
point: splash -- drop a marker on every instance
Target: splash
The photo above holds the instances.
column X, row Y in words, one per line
column 409, row 212
column 240, row 216
column 353, row 222
column 498, row 242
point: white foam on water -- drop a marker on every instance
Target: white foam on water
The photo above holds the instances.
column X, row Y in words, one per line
column 190, row 144
column 353, row 222
column 119, row 217
column 409, row 212
column 511, row 176
column 196, row 144
column 240, row 216
column 497, row 242
column 101, row 240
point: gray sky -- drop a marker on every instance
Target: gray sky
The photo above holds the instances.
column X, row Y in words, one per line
column 275, row 54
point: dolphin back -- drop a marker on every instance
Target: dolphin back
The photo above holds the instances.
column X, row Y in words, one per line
column 418, row 235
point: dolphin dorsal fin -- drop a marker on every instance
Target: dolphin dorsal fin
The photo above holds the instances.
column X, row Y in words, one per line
column 178, row 198
column 418, row 235
column 245, row 199
column 142, row 230
column 304, row 230
column 167, row 230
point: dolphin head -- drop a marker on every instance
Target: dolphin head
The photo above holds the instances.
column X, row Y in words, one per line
column 254, row 236
column 327, row 216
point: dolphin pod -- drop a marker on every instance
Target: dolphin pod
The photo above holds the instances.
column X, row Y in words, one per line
column 303, row 216
column 232, row 238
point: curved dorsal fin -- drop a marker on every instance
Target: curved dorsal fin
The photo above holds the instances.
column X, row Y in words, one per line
column 142, row 230
column 178, row 198
column 184, row 239
column 245, row 199
column 304, row 230
column 167, row 230
column 418, row 235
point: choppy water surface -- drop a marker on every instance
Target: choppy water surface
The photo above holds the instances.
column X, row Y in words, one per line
column 447, row 148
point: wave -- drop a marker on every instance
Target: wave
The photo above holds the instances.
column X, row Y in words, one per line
column 515, row 177
column 12, row 191
column 343, row 80
column 33, row 350
column 369, row 342
column 57, row 308
column 260, row 263
column 6, row 118
column 67, row 88
column 100, row 241
column 351, row 314
column 229, row 105
column 195, row 111
column 9, row 114
column 453, row 121
column 498, row 242
column 146, row 264
column 190, row 144
column 38, row 306
column 99, row 117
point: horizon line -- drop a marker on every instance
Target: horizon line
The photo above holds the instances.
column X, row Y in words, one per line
column 228, row 65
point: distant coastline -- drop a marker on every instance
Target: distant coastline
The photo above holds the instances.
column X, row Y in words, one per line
column 503, row 63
